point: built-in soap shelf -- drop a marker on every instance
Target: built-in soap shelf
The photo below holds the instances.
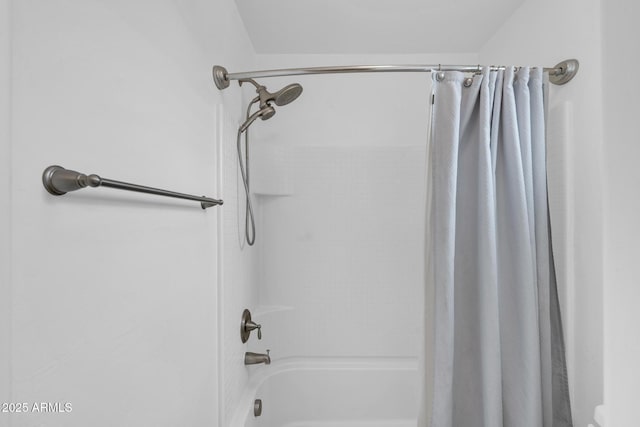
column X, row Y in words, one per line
column 262, row 310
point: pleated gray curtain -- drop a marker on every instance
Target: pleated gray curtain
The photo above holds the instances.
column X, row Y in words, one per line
column 497, row 350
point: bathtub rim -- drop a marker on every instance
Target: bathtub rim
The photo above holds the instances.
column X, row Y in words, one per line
column 260, row 374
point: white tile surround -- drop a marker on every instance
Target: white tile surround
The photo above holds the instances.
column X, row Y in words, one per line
column 344, row 252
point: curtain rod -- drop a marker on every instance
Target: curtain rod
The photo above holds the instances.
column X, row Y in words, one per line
column 559, row 75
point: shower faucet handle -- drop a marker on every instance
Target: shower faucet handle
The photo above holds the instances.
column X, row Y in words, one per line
column 250, row 326
column 247, row 325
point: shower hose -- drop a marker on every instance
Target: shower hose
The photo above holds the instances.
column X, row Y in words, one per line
column 249, row 222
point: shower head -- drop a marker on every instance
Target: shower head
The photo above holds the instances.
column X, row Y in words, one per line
column 282, row 97
column 264, row 113
column 285, row 95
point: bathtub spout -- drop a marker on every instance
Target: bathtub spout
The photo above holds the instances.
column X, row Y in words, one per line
column 256, row 358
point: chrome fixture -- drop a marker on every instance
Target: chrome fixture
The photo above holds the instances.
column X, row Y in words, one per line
column 566, row 70
column 257, row 358
column 257, row 407
column 58, row 181
column 247, row 325
column 560, row 74
column 265, row 111
column 282, row 97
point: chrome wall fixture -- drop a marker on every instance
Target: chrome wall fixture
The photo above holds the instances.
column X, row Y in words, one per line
column 247, row 325
column 265, row 111
column 562, row 73
column 251, row 358
column 58, row 181
column 257, row 407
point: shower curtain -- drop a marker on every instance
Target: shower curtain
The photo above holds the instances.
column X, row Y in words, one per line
column 497, row 349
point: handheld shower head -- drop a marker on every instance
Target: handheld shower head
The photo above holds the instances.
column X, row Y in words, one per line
column 264, row 113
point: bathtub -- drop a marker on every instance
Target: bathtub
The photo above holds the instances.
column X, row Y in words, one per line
column 332, row 392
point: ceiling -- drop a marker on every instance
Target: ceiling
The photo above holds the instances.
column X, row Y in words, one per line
column 372, row 26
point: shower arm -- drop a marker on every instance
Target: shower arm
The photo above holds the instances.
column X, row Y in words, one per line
column 562, row 73
column 253, row 82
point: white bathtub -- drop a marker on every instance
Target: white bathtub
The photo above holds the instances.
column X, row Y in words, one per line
column 332, row 393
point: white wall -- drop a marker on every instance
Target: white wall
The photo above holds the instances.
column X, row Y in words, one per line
column 114, row 295
column 544, row 33
column 622, row 210
column 5, row 208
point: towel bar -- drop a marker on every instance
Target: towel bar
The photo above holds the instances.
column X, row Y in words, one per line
column 58, row 181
